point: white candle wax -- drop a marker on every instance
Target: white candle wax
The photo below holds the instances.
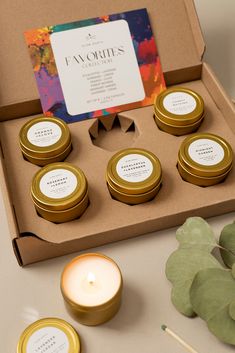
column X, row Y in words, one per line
column 91, row 280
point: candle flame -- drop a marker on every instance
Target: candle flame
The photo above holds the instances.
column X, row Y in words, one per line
column 91, row 278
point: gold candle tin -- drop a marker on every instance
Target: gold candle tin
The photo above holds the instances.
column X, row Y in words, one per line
column 205, row 159
column 178, row 110
column 134, row 176
column 47, row 335
column 60, row 192
column 91, row 315
column 45, row 140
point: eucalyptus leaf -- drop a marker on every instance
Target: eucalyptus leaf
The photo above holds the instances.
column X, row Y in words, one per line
column 211, row 294
column 196, row 233
column 181, row 269
column 227, row 241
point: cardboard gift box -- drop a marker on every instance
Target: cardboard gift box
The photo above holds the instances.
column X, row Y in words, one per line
column 181, row 47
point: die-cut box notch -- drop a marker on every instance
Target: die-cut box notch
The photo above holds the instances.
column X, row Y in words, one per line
column 115, row 133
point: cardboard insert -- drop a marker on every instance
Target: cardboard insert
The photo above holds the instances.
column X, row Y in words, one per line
column 180, row 43
column 106, row 219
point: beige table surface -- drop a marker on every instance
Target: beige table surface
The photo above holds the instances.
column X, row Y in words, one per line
column 33, row 292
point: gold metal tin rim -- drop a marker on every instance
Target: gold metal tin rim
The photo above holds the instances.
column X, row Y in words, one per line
column 46, row 151
column 64, row 203
column 86, row 308
column 72, row 335
column 134, row 199
column 201, row 170
column 64, row 215
column 178, row 130
column 135, row 188
column 199, row 180
column 175, row 119
column 45, row 161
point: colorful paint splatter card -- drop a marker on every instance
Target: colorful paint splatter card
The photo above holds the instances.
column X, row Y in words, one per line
column 96, row 67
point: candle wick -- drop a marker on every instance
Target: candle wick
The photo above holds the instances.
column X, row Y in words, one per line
column 91, row 278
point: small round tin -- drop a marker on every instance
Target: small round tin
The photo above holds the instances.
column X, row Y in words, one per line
column 205, row 159
column 179, row 111
column 91, row 315
column 134, row 176
column 60, row 192
column 49, row 335
column 45, row 140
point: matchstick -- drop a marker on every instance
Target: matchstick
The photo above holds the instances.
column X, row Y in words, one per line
column 179, row 339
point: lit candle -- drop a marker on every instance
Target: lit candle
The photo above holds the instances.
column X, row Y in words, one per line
column 91, row 285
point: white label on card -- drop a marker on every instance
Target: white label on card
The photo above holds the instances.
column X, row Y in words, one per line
column 45, row 133
column 48, row 340
column 206, row 152
column 97, row 67
column 179, row 103
column 58, row 183
column 134, row 168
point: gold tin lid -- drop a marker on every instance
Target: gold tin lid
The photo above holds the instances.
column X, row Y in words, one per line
column 47, row 335
column 134, row 171
column 90, row 308
column 178, row 106
column 44, row 137
column 205, row 154
column 58, row 186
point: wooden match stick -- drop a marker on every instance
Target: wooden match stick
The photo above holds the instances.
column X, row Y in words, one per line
column 179, row 339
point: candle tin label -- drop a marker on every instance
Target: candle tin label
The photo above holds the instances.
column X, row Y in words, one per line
column 44, row 133
column 206, row 152
column 48, row 340
column 134, row 168
column 179, row 103
column 58, row 183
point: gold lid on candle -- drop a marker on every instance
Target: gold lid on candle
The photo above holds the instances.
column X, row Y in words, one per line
column 45, row 140
column 95, row 314
column 179, row 110
column 205, row 159
column 65, row 202
column 134, row 175
column 60, row 192
column 49, row 332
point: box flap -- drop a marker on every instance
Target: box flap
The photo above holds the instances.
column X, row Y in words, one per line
column 175, row 25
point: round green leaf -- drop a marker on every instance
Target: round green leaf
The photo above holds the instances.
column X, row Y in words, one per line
column 223, row 326
column 211, row 294
column 196, row 233
column 210, row 289
column 181, row 269
column 227, row 241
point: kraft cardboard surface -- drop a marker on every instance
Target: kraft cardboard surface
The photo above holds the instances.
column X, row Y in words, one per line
column 180, row 43
column 175, row 27
column 104, row 215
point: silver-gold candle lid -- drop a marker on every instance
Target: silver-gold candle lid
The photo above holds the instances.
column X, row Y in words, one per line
column 49, row 335
column 59, row 186
column 134, row 171
column 205, row 159
column 179, row 110
column 44, row 140
column 134, row 176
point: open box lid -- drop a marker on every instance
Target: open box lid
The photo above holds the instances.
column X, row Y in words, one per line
column 175, row 26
